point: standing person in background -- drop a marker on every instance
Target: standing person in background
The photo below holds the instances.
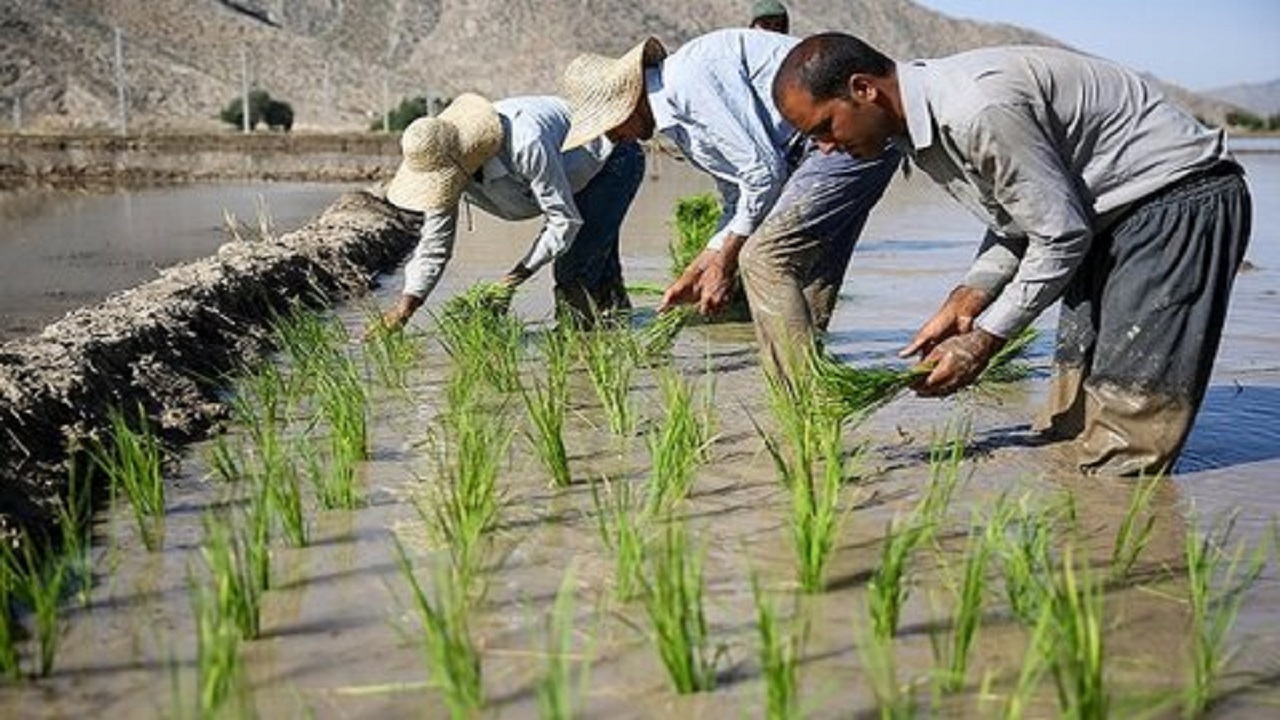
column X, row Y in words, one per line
column 1095, row 189
column 770, row 15
column 791, row 212
column 505, row 158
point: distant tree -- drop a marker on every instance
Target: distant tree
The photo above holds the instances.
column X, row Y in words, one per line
column 1273, row 122
column 410, row 109
column 277, row 114
column 1246, row 120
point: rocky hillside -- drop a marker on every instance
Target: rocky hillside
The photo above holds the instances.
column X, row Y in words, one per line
column 1261, row 99
column 339, row 62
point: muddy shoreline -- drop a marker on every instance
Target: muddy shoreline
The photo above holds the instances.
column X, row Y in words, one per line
column 62, row 161
column 164, row 344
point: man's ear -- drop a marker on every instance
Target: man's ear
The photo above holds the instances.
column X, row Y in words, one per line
column 861, row 88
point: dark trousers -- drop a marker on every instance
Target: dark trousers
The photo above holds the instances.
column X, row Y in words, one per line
column 1141, row 322
column 588, row 275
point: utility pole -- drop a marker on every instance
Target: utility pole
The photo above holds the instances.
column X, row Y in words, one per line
column 121, row 92
column 386, row 106
column 244, row 90
column 328, row 94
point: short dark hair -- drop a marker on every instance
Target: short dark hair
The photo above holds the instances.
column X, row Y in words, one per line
column 821, row 64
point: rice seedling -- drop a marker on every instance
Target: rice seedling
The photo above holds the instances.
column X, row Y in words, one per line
column 1132, row 537
column 1032, row 670
column 895, row 699
column 967, row 616
column 344, row 404
column 234, row 572
column 478, row 332
column 1007, row 365
column 1023, row 538
column 451, row 657
column 696, row 219
column 610, row 361
column 38, row 580
column 889, row 587
column 673, row 600
column 312, row 343
column 946, row 461
column 389, row 354
column 1218, row 580
column 74, row 518
column 10, row 665
column 132, row 462
column 281, row 488
column 1076, row 646
column 623, row 529
column 675, row 445
column 556, row 691
column 781, row 647
column 656, row 339
column 547, row 404
column 646, row 288
column 220, row 669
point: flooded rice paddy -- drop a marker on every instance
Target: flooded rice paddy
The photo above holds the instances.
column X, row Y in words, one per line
column 340, row 636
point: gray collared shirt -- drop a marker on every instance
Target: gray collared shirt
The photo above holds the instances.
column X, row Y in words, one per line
column 529, row 176
column 714, row 99
column 1047, row 147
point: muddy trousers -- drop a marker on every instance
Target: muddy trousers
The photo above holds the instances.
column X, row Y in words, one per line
column 794, row 263
column 1140, row 325
column 588, row 275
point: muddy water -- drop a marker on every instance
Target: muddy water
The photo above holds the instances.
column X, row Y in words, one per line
column 61, row 249
column 338, row 636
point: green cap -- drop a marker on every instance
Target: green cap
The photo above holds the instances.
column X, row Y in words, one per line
column 766, row 8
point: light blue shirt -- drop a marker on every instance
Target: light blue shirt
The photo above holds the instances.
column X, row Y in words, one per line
column 1047, row 147
column 714, row 99
column 529, row 176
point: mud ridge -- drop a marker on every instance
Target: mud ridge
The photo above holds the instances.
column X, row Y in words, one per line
column 166, row 344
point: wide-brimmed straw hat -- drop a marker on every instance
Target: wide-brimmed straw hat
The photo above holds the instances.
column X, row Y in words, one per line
column 441, row 153
column 603, row 91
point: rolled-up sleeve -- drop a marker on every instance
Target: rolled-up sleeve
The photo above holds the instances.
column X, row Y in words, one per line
column 435, row 247
column 1034, row 188
column 542, row 165
column 996, row 262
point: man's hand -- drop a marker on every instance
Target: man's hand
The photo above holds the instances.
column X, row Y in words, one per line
column 955, row 317
column 958, row 361
column 395, row 318
column 717, row 278
column 688, row 287
column 516, row 276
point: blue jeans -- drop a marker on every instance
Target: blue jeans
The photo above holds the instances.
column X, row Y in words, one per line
column 588, row 275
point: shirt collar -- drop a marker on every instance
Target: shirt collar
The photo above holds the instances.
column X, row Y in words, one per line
column 656, row 89
column 915, row 105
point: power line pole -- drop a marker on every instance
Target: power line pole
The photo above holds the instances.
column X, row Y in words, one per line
column 244, row 90
column 386, row 107
column 328, row 93
column 121, row 93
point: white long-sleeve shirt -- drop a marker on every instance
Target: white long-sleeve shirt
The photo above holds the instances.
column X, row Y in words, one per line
column 1047, row 147
column 713, row 99
column 529, row 176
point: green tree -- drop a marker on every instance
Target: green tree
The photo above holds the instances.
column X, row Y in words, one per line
column 259, row 101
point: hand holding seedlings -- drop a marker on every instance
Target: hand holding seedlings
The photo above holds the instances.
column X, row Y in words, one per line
column 958, row 361
column 955, row 317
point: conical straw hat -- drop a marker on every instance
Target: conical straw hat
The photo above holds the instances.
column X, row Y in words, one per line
column 602, row 91
column 441, row 153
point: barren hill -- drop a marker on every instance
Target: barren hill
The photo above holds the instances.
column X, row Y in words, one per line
column 339, row 62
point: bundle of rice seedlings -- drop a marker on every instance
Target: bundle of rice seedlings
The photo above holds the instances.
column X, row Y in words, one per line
column 851, row 391
column 487, row 297
column 696, row 219
column 656, row 339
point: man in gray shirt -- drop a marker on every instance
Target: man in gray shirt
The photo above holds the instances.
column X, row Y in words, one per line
column 1095, row 190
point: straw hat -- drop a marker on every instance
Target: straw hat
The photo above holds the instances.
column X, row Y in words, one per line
column 441, row 153
column 602, row 92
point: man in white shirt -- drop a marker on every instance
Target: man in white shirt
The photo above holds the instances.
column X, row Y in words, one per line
column 792, row 213
column 1095, row 190
column 505, row 158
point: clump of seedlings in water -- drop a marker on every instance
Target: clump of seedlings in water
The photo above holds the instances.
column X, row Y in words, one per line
column 781, row 648
column 451, row 657
column 809, row 458
column 876, row 651
column 37, row 580
column 234, row 555
column 548, row 404
column 954, row 650
column 1023, row 536
column 610, row 361
column 1218, row 579
column 655, row 340
column 676, row 445
column 623, row 529
column 478, row 332
column 133, row 463
column 389, row 354
column 889, row 586
column 1135, row 529
column 1074, row 647
column 673, row 600
column 220, row 670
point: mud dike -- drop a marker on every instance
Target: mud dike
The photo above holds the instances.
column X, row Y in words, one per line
column 163, row 346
